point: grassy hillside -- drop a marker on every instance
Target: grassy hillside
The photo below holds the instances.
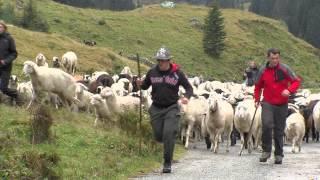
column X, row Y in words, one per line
column 29, row 44
column 76, row 150
column 144, row 30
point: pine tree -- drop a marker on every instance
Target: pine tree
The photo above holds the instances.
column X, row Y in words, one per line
column 214, row 34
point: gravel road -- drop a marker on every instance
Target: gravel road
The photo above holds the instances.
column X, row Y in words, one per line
column 200, row 163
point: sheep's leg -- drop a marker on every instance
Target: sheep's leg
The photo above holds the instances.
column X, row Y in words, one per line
column 216, row 142
column 33, row 98
column 249, row 144
column 293, row 144
column 212, row 137
column 242, row 141
column 299, row 144
column 228, row 140
column 96, row 122
column 258, row 138
column 182, row 133
column 190, row 126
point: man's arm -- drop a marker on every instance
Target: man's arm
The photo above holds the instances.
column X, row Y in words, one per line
column 258, row 85
column 294, row 81
column 146, row 82
column 12, row 52
column 186, row 85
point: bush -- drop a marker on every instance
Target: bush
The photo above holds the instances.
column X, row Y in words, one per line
column 31, row 19
column 101, row 22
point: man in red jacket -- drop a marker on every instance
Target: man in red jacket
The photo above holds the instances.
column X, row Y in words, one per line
column 278, row 81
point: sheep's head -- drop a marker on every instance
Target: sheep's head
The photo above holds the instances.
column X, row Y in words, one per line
column 40, row 59
column 106, row 92
column 14, row 79
column 96, row 99
column 241, row 110
column 86, row 78
column 29, row 67
column 213, row 102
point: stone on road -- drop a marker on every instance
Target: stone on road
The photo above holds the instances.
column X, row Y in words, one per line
column 199, row 163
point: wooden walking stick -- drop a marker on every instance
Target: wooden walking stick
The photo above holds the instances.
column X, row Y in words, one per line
column 250, row 129
column 140, row 105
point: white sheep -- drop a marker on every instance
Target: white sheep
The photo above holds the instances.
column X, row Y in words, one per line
column 193, row 114
column 126, row 70
column 84, row 97
column 220, row 121
column 119, row 104
column 13, row 82
column 243, row 117
column 122, row 87
column 295, row 130
column 100, row 105
column 56, row 62
column 69, row 62
column 41, row 60
column 316, row 116
column 25, row 90
column 51, row 80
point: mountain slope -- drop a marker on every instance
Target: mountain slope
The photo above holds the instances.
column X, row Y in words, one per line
column 144, row 30
column 29, row 44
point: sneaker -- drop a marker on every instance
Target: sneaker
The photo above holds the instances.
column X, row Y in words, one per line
column 166, row 168
column 278, row 159
column 264, row 156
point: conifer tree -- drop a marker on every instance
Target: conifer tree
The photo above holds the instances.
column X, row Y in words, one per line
column 214, row 34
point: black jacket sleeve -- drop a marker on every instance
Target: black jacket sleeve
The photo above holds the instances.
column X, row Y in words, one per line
column 147, row 82
column 186, row 85
column 12, row 51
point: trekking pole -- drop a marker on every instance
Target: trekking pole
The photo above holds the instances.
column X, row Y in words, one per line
column 140, row 105
column 250, row 129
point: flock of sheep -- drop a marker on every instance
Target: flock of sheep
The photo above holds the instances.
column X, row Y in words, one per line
column 216, row 110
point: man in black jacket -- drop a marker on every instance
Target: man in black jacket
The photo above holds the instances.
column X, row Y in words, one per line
column 8, row 53
column 165, row 79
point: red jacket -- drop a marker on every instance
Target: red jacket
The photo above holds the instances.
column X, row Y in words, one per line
column 273, row 81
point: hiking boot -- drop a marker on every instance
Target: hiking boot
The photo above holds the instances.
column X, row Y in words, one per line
column 278, row 159
column 264, row 156
column 166, row 168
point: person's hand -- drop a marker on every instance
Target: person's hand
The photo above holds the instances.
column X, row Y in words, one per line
column 285, row 93
column 184, row 100
column 256, row 104
column 2, row 62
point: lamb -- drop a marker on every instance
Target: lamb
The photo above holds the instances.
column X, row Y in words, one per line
column 41, row 60
column 242, row 121
column 119, row 104
column 13, row 82
column 51, row 80
column 25, row 90
column 84, row 97
column 126, row 70
column 122, row 87
column 220, row 121
column 69, row 62
column 56, row 62
column 101, row 108
column 295, row 130
column 193, row 114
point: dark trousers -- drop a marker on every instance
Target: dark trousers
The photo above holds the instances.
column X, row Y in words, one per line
column 4, row 82
column 165, row 125
column 273, row 119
